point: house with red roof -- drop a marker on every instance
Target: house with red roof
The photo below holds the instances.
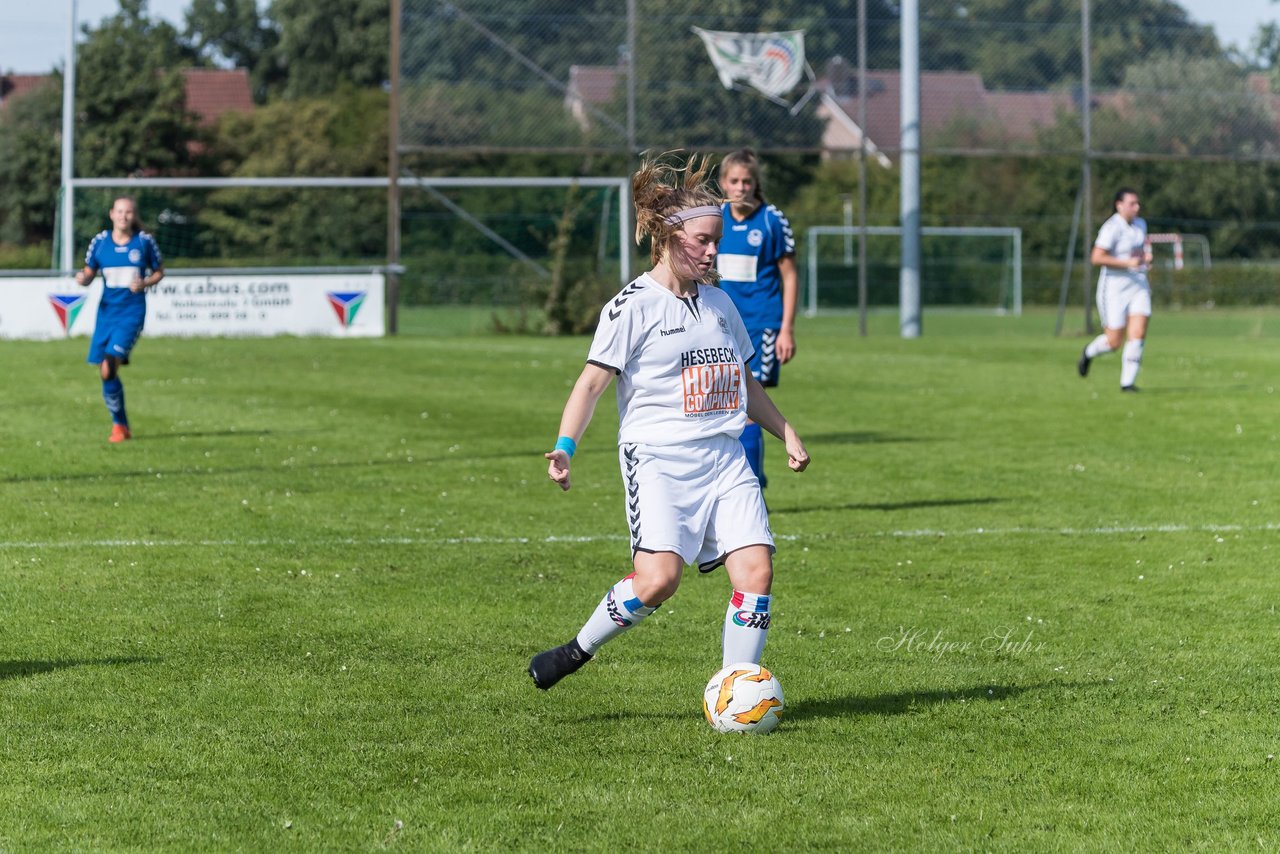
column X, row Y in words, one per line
column 210, row 92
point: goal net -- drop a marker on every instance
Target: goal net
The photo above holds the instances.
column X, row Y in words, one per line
column 478, row 241
column 962, row 267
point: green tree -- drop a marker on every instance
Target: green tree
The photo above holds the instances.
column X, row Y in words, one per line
column 237, row 32
column 326, row 43
column 1186, row 106
column 1035, row 44
column 130, row 119
column 30, row 164
column 131, row 115
column 340, row 135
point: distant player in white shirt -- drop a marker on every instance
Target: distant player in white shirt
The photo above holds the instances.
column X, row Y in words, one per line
column 1124, row 295
column 685, row 391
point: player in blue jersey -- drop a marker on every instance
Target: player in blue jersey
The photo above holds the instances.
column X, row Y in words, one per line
column 130, row 262
column 757, row 265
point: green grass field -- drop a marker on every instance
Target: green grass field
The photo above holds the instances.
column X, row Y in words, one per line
column 1014, row 610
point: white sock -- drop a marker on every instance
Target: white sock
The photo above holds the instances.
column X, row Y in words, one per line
column 1097, row 347
column 746, row 627
column 619, row 610
column 1132, row 362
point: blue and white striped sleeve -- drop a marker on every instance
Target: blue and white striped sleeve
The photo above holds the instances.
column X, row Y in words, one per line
column 152, row 260
column 92, row 250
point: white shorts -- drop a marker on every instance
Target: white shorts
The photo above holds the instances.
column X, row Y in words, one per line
column 1119, row 298
column 698, row 499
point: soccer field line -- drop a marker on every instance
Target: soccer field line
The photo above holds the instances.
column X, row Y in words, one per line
column 598, row 538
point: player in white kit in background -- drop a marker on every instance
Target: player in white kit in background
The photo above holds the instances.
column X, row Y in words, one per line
column 1124, row 295
column 685, row 392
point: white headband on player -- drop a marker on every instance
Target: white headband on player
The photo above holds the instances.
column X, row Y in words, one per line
column 693, row 213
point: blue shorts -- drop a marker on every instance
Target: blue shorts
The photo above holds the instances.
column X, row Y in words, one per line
column 114, row 338
column 764, row 365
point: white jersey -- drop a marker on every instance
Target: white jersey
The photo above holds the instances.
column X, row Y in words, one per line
column 679, row 361
column 1123, row 240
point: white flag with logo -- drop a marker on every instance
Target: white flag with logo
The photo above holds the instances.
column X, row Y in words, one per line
column 771, row 62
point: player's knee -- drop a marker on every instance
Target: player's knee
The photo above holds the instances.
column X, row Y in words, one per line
column 655, row 580
column 752, row 570
column 757, row 580
column 661, row 587
column 107, row 370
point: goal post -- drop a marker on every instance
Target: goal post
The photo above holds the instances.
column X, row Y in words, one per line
column 1007, row 295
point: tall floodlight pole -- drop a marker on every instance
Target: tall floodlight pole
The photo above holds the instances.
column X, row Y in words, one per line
column 68, row 140
column 393, row 175
column 909, row 277
column 1086, row 165
column 862, row 167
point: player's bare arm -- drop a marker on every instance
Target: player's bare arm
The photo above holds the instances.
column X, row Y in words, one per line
column 1102, row 258
column 85, row 277
column 790, row 296
column 578, row 410
column 152, row 279
column 762, row 410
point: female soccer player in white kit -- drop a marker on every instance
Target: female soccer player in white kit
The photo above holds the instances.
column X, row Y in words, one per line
column 1124, row 295
column 680, row 351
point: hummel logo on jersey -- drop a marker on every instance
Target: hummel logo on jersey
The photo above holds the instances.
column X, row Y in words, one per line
column 627, row 292
column 675, row 331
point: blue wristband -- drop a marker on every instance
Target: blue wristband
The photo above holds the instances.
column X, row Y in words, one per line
column 564, row 443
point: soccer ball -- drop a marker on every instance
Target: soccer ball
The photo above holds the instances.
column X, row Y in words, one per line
column 743, row 698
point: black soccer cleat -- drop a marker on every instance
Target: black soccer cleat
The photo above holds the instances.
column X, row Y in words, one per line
column 548, row 668
column 1132, row 388
column 1083, row 365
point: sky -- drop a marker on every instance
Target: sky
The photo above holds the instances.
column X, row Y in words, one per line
column 33, row 33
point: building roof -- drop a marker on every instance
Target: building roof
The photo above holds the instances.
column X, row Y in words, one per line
column 210, row 92
column 17, row 85
column 214, row 91
column 589, row 86
column 945, row 97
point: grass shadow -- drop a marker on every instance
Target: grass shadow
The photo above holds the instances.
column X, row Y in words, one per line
column 905, row 702
column 212, row 434
column 18, row 669
column 465, row 459
column 857, row 438
column 889, row 506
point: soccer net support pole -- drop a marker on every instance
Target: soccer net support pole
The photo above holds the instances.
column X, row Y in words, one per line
column 1067, row 262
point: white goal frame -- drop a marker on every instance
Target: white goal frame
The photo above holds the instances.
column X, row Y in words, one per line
column 428, row 184
column 1015, row 234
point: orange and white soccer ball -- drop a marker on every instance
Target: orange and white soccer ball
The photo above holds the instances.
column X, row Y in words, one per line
column 743, row 698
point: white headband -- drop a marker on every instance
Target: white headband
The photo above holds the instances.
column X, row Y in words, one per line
column 693, row 213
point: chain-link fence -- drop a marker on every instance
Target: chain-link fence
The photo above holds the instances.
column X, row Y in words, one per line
column 506, row 87
column 996, row 77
